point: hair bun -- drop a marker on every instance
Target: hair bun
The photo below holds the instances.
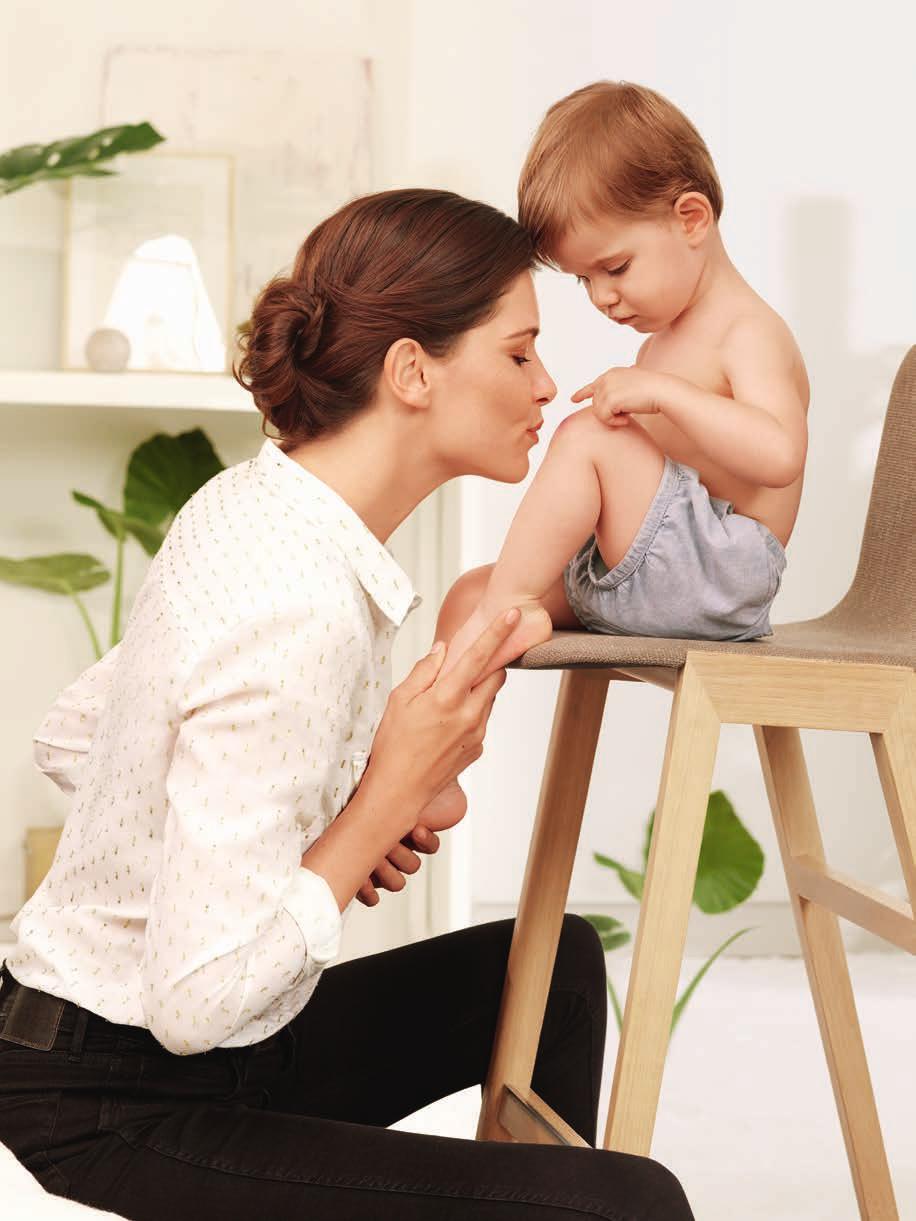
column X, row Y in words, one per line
column 307, row 324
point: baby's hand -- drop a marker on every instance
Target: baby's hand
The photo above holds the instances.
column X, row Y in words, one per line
column 622, row 392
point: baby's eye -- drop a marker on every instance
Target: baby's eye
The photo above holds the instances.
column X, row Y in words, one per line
column 618, row 271
column 581, row 279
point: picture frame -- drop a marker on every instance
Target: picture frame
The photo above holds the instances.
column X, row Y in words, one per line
column 149, row 265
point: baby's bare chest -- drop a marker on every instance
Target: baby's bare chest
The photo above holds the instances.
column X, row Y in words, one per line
column 701, row 367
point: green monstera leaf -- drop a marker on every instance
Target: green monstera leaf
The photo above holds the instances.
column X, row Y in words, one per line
column 632, row 880
column 166, row 471
column 77, row 155
column 63, row 573
column 730, row 865
column 119, row 525
column 611, row 931
column 162, row 474
column 731, row 860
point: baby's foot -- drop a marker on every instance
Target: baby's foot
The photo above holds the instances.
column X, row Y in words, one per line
column 445, row 809
column 534, row 627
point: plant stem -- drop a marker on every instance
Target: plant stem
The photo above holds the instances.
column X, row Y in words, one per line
column 119, row 577
column 82, row 610
column 615, row 1003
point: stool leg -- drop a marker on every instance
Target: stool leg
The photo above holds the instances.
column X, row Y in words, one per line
column 693, row 735
column 564, row 788
column 797, row 832
column 895, row 751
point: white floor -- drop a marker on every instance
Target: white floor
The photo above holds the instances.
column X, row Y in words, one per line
column 747, row 1119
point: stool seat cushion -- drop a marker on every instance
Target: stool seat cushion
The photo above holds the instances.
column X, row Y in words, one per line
column 829, row 638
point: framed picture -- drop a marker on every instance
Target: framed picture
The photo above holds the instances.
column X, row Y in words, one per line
column 148, row 265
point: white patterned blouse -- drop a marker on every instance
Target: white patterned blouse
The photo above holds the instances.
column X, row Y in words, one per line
column 205, row 753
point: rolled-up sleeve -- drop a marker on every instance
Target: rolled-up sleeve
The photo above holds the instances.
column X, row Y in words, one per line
column 255, row 776
column 61, row 743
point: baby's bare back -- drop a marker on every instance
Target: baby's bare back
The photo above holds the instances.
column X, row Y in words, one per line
column 696, row 353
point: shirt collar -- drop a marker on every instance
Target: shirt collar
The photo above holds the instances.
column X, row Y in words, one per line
column 376, row 568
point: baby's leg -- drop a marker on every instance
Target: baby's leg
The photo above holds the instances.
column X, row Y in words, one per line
column 593, row 478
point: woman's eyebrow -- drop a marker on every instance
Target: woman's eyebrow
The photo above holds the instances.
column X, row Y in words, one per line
column 531, row 330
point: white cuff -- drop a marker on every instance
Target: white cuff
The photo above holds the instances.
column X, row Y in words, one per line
column 311, row 903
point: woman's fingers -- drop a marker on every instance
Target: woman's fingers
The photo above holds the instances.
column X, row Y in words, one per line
column 403, row 859
column 422, row 839
column 367, row 894
column 474, row 660
column 386, row 877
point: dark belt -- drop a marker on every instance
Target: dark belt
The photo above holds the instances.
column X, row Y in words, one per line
column 32, row 1018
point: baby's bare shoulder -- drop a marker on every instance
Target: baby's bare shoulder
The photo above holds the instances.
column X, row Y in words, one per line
column 759, row 337
column 756, row 327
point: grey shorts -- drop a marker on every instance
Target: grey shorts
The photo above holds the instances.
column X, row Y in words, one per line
column 697, row 570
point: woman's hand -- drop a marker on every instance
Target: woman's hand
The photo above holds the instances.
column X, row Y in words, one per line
column 431, row 730
column 433, row 726
column 445, row 810
column 389, row 873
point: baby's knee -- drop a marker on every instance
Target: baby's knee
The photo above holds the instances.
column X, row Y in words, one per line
column 578, row 428
column 582, row 431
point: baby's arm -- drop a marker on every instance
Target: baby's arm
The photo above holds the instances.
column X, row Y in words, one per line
column 759, row 434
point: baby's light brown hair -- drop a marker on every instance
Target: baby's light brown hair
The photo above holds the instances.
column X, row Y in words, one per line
column 612, row 148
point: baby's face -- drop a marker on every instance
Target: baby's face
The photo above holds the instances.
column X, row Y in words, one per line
column 640, row 273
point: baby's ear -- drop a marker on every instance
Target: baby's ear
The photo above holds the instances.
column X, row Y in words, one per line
column 693, row 213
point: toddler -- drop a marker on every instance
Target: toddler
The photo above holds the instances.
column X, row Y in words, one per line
column 664, row 506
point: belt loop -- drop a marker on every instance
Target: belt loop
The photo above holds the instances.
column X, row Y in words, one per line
column 79, row 1035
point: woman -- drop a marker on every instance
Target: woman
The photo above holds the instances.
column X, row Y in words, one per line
column 171, row 1042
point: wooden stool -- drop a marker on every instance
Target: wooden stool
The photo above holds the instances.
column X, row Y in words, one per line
column 850, row 669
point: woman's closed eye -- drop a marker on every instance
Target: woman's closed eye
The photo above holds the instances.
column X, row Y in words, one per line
column 522, row 360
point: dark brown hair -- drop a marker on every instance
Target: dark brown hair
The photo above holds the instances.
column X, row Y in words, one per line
column 612, row 148
column 420, row 264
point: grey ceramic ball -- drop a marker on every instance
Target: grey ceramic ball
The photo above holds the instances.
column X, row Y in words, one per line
column 107, row 350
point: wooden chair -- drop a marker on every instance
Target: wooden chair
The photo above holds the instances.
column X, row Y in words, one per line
column 850, row 669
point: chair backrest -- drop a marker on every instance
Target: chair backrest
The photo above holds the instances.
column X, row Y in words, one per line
column 882, row 596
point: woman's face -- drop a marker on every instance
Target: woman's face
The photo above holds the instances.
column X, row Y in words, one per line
column 490, row 392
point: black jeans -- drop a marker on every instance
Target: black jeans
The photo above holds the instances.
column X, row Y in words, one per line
column 296, row 1126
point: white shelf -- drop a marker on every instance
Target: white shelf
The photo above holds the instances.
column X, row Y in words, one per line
column 179, row 391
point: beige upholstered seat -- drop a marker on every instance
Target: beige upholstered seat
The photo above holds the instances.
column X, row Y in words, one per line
column 849, row 669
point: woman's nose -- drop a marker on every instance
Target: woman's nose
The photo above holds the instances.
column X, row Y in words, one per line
column 546, row 388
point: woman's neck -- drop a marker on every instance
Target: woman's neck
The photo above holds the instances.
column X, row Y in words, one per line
column 376, row 466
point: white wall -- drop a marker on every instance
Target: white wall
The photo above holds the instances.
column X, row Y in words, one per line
column 804, row 109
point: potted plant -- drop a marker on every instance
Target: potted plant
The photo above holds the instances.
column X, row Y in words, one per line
column 730, row 866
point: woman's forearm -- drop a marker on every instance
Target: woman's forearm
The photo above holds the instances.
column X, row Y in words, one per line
column 358, row 838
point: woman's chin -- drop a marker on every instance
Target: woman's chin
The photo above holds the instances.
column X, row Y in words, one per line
column 516, row 472
column 511, row 470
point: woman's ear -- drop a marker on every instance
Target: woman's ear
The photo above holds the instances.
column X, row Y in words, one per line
column 406, row 369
